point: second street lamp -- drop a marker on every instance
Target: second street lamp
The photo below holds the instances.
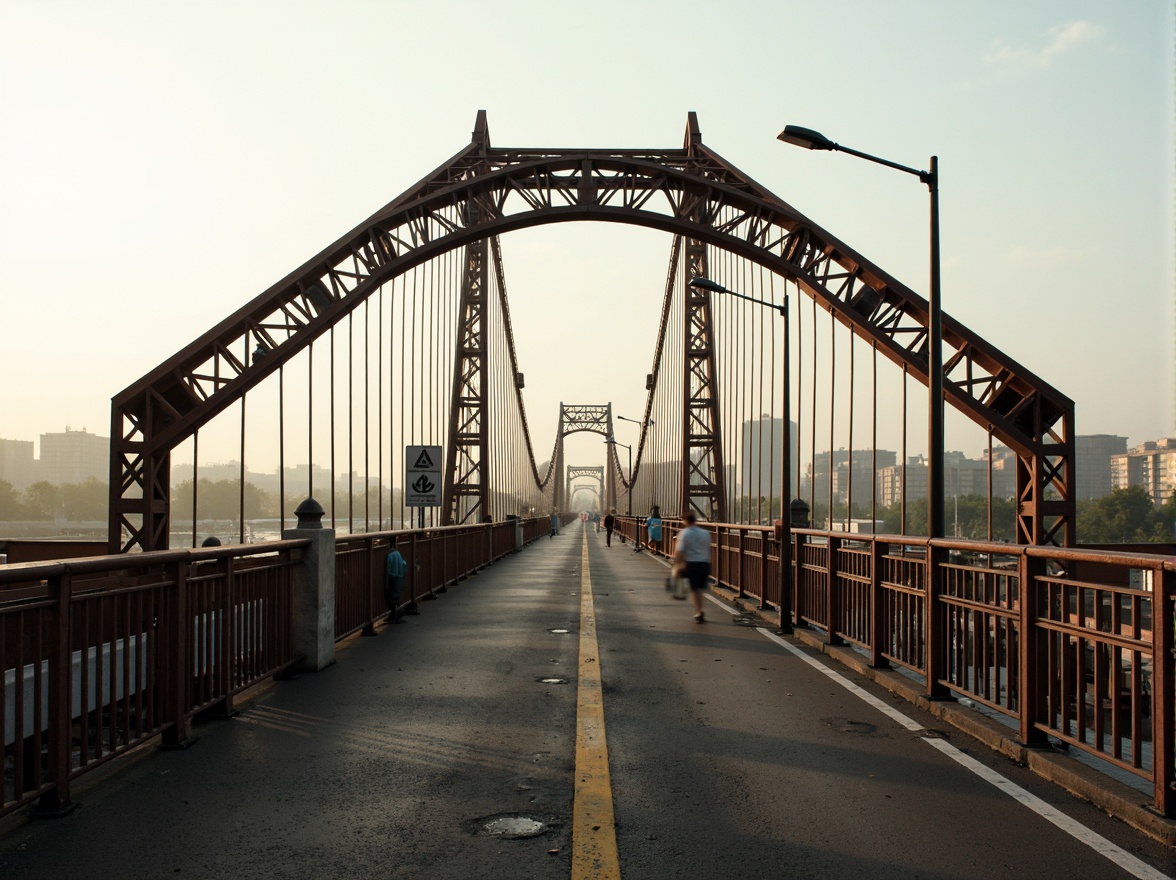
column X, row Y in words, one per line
column 785, row 454
column 612, row 441
column 814, row 140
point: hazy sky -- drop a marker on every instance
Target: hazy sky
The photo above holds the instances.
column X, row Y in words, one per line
column 162, row 163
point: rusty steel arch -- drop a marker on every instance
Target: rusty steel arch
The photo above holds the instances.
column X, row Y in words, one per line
column 483, row 192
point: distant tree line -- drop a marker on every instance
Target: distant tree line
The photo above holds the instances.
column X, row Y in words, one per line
column 45, row 502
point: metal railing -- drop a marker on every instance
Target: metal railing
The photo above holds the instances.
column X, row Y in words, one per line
column 437, row 558
column 1072, row 644
column 100, row 654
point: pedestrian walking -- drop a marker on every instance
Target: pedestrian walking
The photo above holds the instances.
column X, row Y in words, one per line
column 693, row 554
column 653, row 528
column 610, row 520
column 554, row 524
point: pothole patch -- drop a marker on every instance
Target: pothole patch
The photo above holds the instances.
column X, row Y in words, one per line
column 511, row 826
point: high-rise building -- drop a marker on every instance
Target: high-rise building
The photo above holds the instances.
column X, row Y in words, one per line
column 1092, row 463
column 17, row 464
column 74, row 457
column 1151, row 465
column 759, row 468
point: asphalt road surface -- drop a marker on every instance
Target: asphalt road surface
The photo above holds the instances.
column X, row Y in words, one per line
column 436, row 748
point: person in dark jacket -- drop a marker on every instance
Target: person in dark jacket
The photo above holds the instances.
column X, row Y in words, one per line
column 609, row 521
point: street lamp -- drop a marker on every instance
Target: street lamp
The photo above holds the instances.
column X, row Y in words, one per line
column 785, row 453
column 645, row 422
column 813, row 140
column 629, row 495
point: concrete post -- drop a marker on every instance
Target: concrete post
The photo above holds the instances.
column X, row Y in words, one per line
column 314, row 589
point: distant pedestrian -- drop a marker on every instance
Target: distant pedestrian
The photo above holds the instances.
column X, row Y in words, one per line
column 610, row 521
column 554, row 524
column 653, row 528
column 395, row 571
column 693, row 553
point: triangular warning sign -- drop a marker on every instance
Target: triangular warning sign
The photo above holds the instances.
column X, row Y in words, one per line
column 423, row 461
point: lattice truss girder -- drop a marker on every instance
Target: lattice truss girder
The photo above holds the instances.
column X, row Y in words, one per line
column 465, row 493
column 702, row 489
column 484, row 191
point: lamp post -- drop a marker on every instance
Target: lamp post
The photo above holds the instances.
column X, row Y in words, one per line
column 644, row 422
column 628, row 495
column 785, row 454
column 812, row 140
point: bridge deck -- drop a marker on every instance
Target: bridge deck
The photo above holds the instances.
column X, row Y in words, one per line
column 730, row 754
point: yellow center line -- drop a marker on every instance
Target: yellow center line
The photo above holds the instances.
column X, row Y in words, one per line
column 594, row 837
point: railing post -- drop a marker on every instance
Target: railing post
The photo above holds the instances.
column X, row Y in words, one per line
column 1031, row 677
column 832, row 594
column 879, row 616
column 742, row 562
column 56, row 802
column 935, row 635
column 763, row 584
column 227, row 659
column 314, row 589
column 174, row 639
column 797, row 563
column 369, row 628
column 1164, row 690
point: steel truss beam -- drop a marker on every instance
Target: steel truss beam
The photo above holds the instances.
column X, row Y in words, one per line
column 466, row 495
column 703, row 485
column 689, row 192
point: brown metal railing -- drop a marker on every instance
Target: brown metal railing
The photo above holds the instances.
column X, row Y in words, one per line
column 437, row 558
column 100, row 654
column 1068, row 643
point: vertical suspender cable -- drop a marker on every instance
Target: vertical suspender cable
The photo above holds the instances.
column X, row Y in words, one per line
column 310, row 420
column 240, row 474
column 832, row 406
column 903, row 471
column 350, row 422
column 874, row 440
column 799, row 361
column 990, row 482
column 334, row 485
column 196, row 481
column 849, row 443
column 367, row 470
column 281, row 452
column 380, row 412
column 403, row 351
column 813, row 426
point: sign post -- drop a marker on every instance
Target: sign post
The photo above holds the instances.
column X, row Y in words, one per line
column 422, row 478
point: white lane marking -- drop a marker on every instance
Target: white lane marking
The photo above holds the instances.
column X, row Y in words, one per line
column 1075, row 829
column 905, row 721
column 721, row 604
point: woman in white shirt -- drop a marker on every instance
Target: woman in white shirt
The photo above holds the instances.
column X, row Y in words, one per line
column 693, row 554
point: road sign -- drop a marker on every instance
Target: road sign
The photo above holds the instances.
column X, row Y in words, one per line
column 422, row 476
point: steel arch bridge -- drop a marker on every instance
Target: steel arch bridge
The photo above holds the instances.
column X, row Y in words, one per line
column 483, row 192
